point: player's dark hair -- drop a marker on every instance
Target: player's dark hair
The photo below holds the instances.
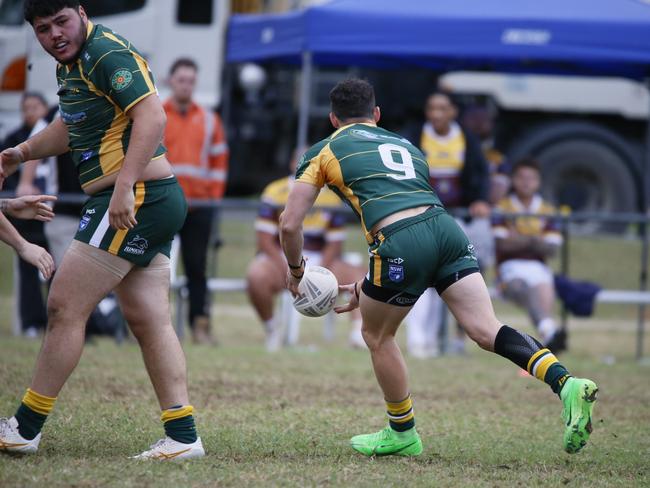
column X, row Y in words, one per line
column 45, row 8
column 33, row 94
column 527, row 162
column 183, row 63
column 353, row 99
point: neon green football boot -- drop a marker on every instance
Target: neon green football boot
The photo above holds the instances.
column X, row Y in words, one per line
column 578, row 396
column 387, row 442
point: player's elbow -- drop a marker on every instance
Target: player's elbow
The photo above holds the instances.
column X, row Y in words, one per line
column 158, row 118
column 289, row 225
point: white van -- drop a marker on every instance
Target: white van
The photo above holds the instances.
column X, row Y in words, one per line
column 162, row 30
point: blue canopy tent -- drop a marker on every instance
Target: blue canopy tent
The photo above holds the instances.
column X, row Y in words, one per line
column 578, row 37
column 586, row 37
column 603, row 37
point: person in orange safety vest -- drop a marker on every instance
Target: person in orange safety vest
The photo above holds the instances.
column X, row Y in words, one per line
column 197, row 148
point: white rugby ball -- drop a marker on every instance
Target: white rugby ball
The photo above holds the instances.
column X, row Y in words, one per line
column 318, row 291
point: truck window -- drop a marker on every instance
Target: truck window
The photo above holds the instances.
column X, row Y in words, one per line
column 99, row 8
column 11, row 12
column 194, row 12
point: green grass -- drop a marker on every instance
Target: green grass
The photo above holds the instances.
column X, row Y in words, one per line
column 285, row 419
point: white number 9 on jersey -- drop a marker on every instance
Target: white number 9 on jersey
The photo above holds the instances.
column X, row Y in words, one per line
column 405, row 168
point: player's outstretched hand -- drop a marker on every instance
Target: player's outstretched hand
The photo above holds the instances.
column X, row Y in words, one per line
column 10, row 159
column 39, row 257
column 121, row 209
column 31, row 207
column 353, row 290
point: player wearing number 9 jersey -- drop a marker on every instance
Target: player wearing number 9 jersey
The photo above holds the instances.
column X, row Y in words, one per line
column 379, row 173
column 414, row 244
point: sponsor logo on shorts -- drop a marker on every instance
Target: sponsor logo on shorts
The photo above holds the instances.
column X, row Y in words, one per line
column 121, row 79
column 83, row 223
column 138, row 245
column 395, row 260
column 90, row 211
column 86, row 155
column 396, row 272
column 406, row 300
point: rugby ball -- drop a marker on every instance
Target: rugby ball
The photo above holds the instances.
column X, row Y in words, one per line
column 318, row 291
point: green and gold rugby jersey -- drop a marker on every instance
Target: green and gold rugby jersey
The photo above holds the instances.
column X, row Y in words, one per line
column 375, row 171
column 95, row 92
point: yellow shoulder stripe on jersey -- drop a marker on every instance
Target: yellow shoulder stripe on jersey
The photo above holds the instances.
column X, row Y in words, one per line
column 103, row 56
column 331, row 167
column 144, row 68
column 113, row 38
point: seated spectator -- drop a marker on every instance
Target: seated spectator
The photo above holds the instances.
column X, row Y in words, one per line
column 324, row 236
column 523, row 244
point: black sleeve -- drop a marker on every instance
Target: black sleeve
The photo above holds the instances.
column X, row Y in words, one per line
column 475, row 177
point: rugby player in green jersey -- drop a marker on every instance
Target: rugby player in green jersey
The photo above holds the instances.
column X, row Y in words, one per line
column 112, row 121
column 414, row 244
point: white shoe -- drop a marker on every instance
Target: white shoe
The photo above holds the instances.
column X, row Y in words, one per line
column 12, row 441
column 273, row 339
column 423, row 352
column 355, row 340
column 168, row 449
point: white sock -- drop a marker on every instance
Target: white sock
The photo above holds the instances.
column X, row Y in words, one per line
column 269, row 325
column 547, row 328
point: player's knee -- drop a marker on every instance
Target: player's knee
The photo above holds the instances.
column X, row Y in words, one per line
column 58, row 310
column 484, row 335
column 255, row 280
column 517, row 290
column 373, row 337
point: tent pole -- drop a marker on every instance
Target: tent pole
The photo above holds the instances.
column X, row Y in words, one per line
column 305, row 98
column 643, row 279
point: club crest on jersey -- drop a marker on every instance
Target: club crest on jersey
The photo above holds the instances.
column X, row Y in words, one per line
column 83, row 223
column 121, row 79
column 396, row 272
column 138, row 245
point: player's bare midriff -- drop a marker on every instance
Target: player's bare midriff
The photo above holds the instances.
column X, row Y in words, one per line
column 402, row 214
column 157, row 169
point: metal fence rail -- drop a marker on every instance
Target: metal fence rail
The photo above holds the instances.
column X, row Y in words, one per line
column 640, row 297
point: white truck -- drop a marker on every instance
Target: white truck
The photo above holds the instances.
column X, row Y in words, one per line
column 162, row 30
column 588, row 133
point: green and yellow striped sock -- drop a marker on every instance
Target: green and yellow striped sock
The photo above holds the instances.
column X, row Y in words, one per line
column 179, row 423
column 400, row 414
column 32, row 413
column 527, row 353
column 544, row 366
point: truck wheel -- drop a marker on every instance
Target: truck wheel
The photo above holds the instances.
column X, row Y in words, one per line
column 584, row 166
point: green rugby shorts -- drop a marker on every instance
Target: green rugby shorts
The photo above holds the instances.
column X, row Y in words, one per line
column 160, row 210
column 416, row 253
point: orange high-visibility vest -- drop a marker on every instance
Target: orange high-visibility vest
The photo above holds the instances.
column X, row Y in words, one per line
column 198, row 151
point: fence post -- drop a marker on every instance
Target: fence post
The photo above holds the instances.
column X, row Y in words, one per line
column 564, row 263
column 643, row 283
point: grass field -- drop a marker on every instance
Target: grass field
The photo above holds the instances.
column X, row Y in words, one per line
column 285, row 419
